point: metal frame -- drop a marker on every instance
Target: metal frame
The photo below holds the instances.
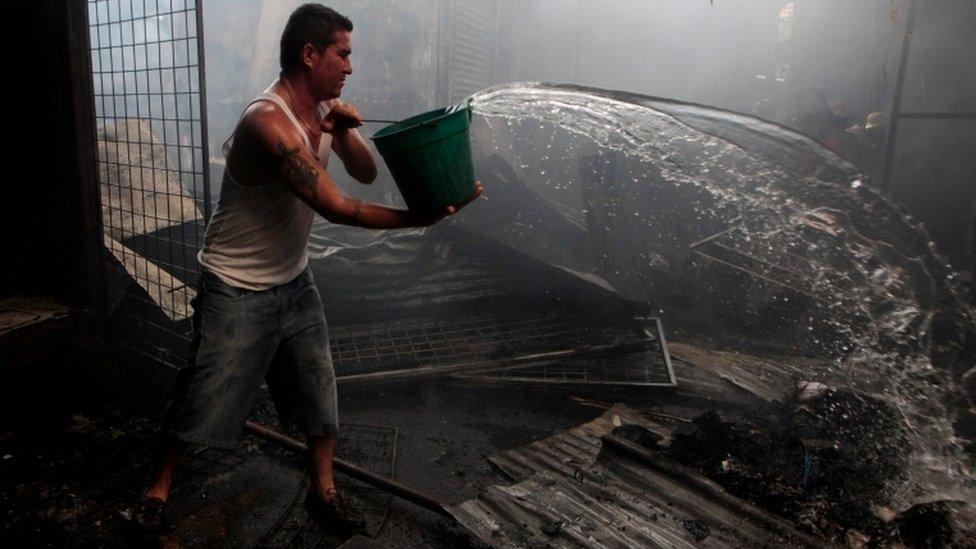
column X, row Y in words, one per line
column 90, row 287
column 149, row 90
column 664, row 350
column 939, row 115
column 896, row 115
column 896, row 101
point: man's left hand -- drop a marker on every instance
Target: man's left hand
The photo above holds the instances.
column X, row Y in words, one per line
column 429, row 219
column 341, row 117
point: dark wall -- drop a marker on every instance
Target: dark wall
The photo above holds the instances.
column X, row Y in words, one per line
column 49, row 239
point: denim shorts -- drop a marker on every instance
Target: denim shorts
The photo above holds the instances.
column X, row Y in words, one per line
column 242, row 338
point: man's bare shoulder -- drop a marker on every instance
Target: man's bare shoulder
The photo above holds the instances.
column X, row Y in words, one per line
column 265, row 126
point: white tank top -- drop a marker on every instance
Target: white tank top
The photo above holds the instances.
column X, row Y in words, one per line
column 257, row 234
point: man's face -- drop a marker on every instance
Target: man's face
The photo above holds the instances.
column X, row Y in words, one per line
column 330, row 68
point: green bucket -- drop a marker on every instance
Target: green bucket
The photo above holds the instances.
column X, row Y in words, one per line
column 429, row 156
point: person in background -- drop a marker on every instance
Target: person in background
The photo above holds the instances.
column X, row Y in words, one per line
column 873, row 135
column 827, row 124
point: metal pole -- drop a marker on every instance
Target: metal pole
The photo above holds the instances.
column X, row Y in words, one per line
column 204, row 134
column 896, row 102
column 382, row 483
column 939, row 115
column 92, row 287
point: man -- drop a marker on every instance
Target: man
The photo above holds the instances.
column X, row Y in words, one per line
column 874, row 136
column 257, row 313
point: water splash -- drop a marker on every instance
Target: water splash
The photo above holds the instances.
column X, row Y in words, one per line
column 869, row 291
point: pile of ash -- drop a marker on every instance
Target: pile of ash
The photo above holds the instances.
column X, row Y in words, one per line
column 826, row 459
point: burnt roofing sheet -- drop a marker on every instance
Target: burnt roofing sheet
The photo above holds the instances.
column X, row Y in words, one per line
column 574, row 492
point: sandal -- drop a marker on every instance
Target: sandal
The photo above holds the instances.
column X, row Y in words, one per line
column 148, row 515
column 334, row 515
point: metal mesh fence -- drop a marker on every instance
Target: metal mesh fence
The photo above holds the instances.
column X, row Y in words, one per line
column 147, row 64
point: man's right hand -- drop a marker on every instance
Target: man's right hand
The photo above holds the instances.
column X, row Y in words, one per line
column 341, row 117
column 426, row 220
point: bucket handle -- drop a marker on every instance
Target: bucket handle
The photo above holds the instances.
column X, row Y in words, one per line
column 449, row 110
column 466, row 104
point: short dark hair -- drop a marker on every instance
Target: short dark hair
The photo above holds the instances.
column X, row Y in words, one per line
column 309, row 24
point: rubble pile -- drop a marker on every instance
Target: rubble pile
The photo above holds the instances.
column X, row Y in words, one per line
column 826, row 459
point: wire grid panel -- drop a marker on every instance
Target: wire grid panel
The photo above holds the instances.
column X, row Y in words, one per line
column 438, row 340
column 150, row 111
column 640, row 368
column 203, row 464
column 369, row 447
column 617, row 353
column 366, row 348
column 780, row 258
column 649, row 365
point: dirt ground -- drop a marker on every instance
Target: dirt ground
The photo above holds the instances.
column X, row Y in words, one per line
column 73, row 482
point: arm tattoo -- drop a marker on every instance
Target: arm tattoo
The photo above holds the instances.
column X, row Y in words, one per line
column 298, row 170
column 357, row 213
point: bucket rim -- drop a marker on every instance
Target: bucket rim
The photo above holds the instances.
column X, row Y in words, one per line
column 463, row 107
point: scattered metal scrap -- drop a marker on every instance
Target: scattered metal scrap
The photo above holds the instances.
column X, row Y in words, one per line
column 575, row 491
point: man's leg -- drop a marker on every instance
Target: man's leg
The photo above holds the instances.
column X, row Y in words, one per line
column 168, row 456
column 233, row 343
column 323, row 500
column 321, row 450
column 302, row 383
column 148, row 513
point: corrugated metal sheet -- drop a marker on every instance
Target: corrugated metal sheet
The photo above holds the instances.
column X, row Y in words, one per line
column 771, row 379
column 471, row 61
column 573, row 492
